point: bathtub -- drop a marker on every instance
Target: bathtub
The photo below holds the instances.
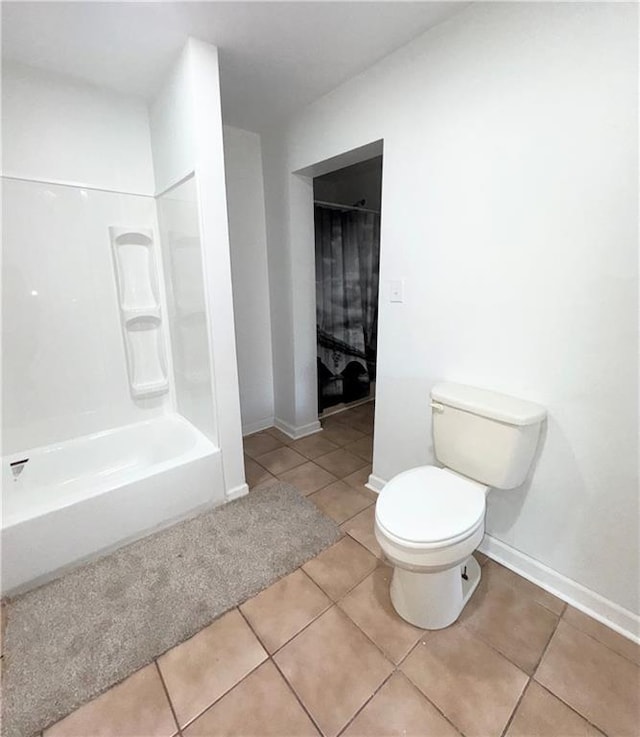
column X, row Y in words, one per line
column 75, row 499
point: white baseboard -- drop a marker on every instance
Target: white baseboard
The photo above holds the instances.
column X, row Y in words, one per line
column 346, row 407
column 256, row 426
column 595, row 605
column 375, row 483
column 237, row 492
column 297, row 432
column 591, row 603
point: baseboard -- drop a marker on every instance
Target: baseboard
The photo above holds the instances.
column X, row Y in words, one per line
column 591, row 603
column 237, row 492
column 375, row 483
column 346, row 407
column 256, row 426
column 595, row 605
column 297, row 432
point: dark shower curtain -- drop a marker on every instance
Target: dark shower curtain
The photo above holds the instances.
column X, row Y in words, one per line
column 347, row 265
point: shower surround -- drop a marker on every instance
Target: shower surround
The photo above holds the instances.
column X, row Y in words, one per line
column 116, row 315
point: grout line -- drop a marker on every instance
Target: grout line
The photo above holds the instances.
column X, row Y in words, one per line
column 595, row 639
column 297, row 698
column 491, row 646
column 424, row 695
column 531, row 678
column 276, row 666
column 166, row 691
column 545, row 648
column 306, row 627
column 235, row 685
column 355, row 514
column 300, row 631
column 516, row 706
column 350, row 721
column 575, row 711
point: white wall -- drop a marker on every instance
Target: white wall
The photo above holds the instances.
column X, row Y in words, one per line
column 186, row 136
column 249, row 272
column 64, row 371
column 179, row 222
column 510, row 204
column 63, row 360
column 55, row 128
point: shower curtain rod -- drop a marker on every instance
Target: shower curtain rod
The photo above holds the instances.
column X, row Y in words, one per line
column 337, row 206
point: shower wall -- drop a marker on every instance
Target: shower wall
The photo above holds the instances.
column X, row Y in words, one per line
column 77, row 161
column 86, row 173
column 63, row 360
column 187, row 316
column 56, row 128
column 186, row 139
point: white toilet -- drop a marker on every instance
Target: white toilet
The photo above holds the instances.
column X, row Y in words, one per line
column 429, row 520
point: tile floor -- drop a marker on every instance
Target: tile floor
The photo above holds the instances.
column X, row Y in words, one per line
column 322, row 652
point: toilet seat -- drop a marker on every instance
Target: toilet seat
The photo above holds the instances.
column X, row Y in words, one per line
column 429, row 507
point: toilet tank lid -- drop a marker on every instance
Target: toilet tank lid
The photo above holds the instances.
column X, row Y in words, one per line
column 485, row 403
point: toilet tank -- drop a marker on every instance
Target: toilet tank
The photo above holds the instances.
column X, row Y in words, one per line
column 486, row 436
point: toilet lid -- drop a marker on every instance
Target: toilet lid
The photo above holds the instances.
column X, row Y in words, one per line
column 429, row 504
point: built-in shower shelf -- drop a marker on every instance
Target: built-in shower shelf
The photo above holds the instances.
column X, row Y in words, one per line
column 137, row 281
column 151, row 388
column 134, row 314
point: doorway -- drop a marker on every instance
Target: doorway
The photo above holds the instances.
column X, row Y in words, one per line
column 347, row 205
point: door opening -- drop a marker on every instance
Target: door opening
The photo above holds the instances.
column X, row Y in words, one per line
column 347, row 205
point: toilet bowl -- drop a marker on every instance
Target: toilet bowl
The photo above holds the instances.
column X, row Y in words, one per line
column 429, row 520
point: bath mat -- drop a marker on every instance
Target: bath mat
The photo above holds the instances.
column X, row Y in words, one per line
column 73, row 638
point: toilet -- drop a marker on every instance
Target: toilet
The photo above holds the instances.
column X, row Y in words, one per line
column 429, row 520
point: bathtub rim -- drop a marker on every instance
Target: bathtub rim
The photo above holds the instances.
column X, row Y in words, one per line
column 202, row 447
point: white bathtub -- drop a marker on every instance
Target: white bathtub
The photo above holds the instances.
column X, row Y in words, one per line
column 84, row 496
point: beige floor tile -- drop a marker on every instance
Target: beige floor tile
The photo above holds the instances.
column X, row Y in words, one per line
column 493, row 571
column 308, row 477
column 341, row 434
column 540, row 714
column 359, row 478
column 279, row 435
column 339, row 501
column 202, row 669
column 362, row 448
column 399, row 710
column 363, row 424
column 280, row 460
column 360, row 528
column 281, row 611
column 339, row 419
column 475, row 688
column 255, row 473
column 340, row 463
column 480, row 557
column 595, row 681
column 137, row 706
column 515, row 625
column 261, row 442
column 369, row 606
column 364, row 410
column 333, row 668
column 262, row 705
column 339, row 568
column 602, row 633
column 264, row 484
column 313, row 446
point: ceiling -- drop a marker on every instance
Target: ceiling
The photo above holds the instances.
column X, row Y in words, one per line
column 275, row 57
